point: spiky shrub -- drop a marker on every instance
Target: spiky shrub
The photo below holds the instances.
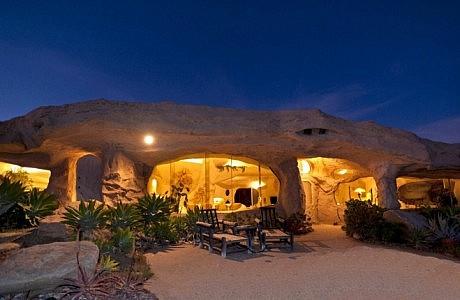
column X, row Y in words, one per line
column 107, row 264
column 11, row 194
column 37, row 205
column 363, row 218
column 153, row 209
column 124, row 216
column 417, row 237
column 124, row 240
column 164, row 232
column 443, row 228
column 87, row 218
column 190, row 230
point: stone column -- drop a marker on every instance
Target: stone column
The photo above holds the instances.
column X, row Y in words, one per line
column 62, row 181
column 385, row 177
column 291, row 195
column 122, row 179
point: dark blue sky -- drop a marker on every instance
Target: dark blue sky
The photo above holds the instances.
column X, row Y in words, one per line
column 393, row 62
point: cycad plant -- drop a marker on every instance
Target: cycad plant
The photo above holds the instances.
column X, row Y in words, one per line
column 86, row 218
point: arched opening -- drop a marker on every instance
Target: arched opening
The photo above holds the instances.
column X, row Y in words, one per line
column 329, row 182
column 427, row 192
column 224, row 182
column 88, row 183
column 33, row 177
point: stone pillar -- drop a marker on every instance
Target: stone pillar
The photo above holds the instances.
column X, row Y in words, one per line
column 291, row 195
column 122, row 179
column 62, row 181
column 385, row 177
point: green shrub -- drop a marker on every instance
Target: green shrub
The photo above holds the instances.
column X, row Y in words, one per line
column 123, row 239
column 163, row 233
column 391, row 232
column 188, row 228
column 153, row 209
column 87, row 218
column 363, row 218
column 124, row 216
column 11, row 193
column 298, row 223
column 417, row 237
column 37, row 205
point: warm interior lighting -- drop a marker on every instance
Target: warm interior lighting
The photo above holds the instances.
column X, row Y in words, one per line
column 193, row 160
column 256, row 185
column 304, row 167
column 342, row 171
column 235, row 163
column 154, row 185
column 148, row 139
column 360, row 192
column 217, row 200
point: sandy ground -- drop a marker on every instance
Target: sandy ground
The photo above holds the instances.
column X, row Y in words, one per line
column 324, row 265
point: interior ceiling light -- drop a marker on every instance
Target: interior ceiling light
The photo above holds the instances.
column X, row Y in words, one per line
column 148, row 139
column 342, row 171
column 235, row 163
column 193, row 160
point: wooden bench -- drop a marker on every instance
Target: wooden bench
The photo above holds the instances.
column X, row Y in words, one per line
column 220, row 236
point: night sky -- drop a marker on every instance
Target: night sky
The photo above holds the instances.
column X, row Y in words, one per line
column 393, row 62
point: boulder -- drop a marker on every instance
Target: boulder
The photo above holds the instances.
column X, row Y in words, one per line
column 43, row 267
column 410, row 218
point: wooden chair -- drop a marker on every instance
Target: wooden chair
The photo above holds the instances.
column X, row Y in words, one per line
column 221, row 235
column 270, row 230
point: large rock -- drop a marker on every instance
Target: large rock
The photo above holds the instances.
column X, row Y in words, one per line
column 43, row 267
column 410, row 218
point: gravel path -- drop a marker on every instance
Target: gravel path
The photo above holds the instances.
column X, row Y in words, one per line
column 324, row 265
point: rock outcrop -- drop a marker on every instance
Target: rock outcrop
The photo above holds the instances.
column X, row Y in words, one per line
column 43, row 267
column 56, row 137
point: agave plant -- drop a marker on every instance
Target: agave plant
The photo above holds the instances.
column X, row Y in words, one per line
column 11, row 193
column 107, row 264
column 153, row 209
column 189, row 223
column 124, row 216
column 442, row 229
column 124, row 240
column 88, row 286
column 86, row 218
column 38, row 204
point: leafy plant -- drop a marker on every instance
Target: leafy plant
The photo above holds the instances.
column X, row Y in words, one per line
column 445, row 198
column 189, row 223
column 441, row 228
column 362, row 218
column 153, row 209
column 38, row 204
column 11, row 193
column 124, row 240
column 86, row 218
column 298, row 223
column 89, row 286
column 417, row 237
column 177, row 193
column 164, row 232
column 107, row 264
column 124, row 216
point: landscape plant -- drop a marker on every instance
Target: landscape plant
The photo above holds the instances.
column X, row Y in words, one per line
column 362, row 219
column 22, row 208
column 153, row 209
column 86, row 218
column 124, row 215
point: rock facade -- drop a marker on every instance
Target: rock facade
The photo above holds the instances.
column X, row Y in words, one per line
column 56, row 137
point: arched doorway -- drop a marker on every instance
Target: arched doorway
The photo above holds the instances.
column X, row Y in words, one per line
column 89, row 178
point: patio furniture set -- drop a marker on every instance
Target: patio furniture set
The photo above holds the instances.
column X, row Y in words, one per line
column 225, row 236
